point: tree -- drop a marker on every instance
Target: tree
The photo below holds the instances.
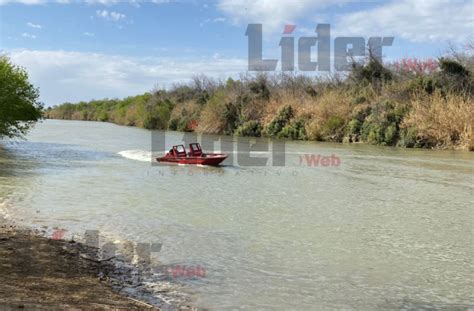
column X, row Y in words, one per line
column 19, row 105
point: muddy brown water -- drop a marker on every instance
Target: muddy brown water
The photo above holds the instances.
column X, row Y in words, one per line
column 386, row 228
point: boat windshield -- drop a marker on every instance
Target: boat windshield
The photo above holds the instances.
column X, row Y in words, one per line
column 180, row 149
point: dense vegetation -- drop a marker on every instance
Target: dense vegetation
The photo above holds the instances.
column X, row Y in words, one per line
column 19, row 105
column 411, row 103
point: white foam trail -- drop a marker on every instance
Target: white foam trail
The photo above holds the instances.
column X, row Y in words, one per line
column 137, row 155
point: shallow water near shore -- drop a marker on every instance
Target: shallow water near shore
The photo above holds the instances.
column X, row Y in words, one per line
column 387, row 228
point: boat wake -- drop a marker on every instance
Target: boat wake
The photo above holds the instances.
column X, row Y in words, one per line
column 137, row 155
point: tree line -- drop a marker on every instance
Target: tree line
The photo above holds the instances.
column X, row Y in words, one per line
column 410, row 103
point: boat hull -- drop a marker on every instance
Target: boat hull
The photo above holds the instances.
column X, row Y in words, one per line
column 211, row 160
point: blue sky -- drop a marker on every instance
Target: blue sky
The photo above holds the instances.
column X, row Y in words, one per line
column 80, row 50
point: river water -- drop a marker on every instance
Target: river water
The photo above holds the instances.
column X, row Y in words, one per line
column 388, row 228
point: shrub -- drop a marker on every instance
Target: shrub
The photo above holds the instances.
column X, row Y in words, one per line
column 410, row 139
column 280, row 121
column 231, row 116
column 371, row 73
column 354, row 126
column 157, row 113
column 213, row 116
column 452, row 67
column 358, row 100
column 390, row 134
column 184, row 124
column 184, row 117
column 259, row 87
column 427, row 84
column 311, row 91
column 313, row 130
column 295, row 130
column 333, row 129
column 250, row 128
column 442, row 121
column 102, row 116
column 372, row 130
column 361, row 112
column 382, row 125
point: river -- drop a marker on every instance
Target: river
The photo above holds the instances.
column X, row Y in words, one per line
column 387, row 228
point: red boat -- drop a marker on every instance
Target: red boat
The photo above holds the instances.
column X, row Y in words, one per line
column 178, row 154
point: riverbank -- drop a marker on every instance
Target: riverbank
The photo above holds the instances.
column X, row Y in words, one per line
column 388, row 106
column 37, row 273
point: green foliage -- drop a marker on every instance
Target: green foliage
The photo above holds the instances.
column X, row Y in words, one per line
column 230, row 84
column 220, row 114
column 382, row 125
column 295, row 130
column 19, row 105
column 231, row 116
column 333, row 129
column 372, row 105
column 371, row 73
column 353, row 127
column 454, row 77
column 359, row 100
column 183, row 122
column 280, row 121
column 103, row 116
column 250, row 128
column 452, row 67
column 180, row 124
column 174, row 123
column 259, row 87
column 158, row 113
column 427, row 84
column 183, row 93
column 409, row 138
column 390, row 134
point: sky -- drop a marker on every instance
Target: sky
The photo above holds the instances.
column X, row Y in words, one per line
column 92, row 49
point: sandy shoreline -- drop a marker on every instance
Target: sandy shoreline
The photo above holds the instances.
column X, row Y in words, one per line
column 37, row 273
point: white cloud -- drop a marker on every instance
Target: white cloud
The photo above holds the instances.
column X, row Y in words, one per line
column 89, row 34
column 103, row 2
column 33, row 2
column 37, row 26
column 418, row 21
column 414, row 20
column 214, row 20
column 272, row 14
column 110, row 16
column 75, row 76
column 116, row 16
column 28, row 2
column 28, row 35
column 135, row 3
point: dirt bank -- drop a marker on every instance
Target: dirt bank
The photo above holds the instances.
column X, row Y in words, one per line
column 37, row 273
